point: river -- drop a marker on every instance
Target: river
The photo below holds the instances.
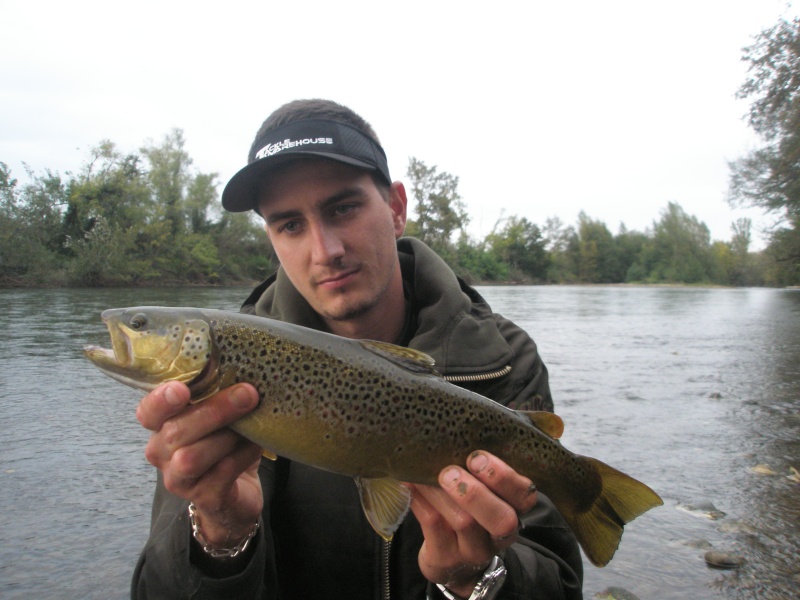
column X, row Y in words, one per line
column 694, row 391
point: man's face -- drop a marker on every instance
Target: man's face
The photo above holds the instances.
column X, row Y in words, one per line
column 334, row 233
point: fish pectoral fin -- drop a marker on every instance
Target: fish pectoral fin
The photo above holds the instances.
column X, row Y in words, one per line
column 227, row 379
column 547, row 422
column 408, row 358
column 385, row 502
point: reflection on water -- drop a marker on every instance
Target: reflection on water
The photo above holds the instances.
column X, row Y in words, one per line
column 685, row 389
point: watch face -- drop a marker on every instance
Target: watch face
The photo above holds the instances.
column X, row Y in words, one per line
column 489, row 585
column 491, row 582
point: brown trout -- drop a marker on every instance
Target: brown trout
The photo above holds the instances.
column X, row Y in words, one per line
column 370, row 410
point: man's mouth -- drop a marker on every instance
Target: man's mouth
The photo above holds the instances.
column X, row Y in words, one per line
column 338, row 280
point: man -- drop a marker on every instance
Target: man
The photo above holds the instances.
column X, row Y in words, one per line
column 255, row 528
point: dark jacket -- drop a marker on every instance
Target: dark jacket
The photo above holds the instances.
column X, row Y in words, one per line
column 315, row 541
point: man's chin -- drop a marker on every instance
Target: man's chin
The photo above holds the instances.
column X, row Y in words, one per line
column 347, row 311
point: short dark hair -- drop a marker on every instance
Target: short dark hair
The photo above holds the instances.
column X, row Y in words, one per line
column 301, row 110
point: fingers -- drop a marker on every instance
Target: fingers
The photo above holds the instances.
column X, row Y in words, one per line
column 191, row 442
column 165, row 401
column 471, row 517
column 479, row 504
column 517, row 490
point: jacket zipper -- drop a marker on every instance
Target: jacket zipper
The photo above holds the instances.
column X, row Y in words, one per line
column 386, row 547
column 481, row 377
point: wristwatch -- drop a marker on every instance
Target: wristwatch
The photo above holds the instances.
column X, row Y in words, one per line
column 488, row 586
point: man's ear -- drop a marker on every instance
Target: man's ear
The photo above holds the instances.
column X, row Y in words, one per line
column 398, row 203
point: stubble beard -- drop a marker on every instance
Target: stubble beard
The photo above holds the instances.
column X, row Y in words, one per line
column 358, row 307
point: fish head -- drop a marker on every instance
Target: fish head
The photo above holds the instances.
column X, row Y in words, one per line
column 151, row 345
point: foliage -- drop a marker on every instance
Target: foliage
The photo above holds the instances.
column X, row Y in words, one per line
column 140, row 218
column 681, row 248
column 148, row 218
column 520, row 246
column 440, row 213
column 769, row 177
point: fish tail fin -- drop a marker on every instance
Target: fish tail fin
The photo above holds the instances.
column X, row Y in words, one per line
column 622, row 498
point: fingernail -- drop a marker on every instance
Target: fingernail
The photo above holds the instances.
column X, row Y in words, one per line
column 241, row 398
column 172, row 397
column 532, row 489
column 478, row 462
column 451, row 476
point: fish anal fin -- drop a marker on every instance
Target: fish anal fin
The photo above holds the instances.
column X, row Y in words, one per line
column 407, row 358
column 599, row 528
column 549, row 423
column 385, row 502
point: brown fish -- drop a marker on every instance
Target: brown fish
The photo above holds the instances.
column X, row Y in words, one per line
column 373, row 411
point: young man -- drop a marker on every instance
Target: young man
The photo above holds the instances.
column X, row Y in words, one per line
column 229, row 524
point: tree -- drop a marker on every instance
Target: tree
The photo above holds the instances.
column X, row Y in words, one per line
column 769, row 177
column 31, row 241
column 169, row 177
column 629, row 246
column 439, row 209
column 559, row 239
column 521, row 246
column 596, row 252
column 681, row 250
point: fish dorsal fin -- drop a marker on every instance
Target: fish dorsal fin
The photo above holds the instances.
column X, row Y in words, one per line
column 385, row 502
column 408, row 358
column 548, row 422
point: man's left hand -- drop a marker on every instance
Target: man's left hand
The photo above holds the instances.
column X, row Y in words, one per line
column 469, row 519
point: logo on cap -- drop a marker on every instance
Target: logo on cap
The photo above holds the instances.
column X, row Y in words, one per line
column 271, row 149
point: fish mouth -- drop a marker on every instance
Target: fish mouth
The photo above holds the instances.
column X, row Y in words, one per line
column 120, row 353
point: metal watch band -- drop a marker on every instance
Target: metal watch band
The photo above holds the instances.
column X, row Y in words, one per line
column 487, row 587
column 218, row 552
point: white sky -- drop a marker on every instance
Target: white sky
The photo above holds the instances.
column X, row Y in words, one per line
column 540, row 108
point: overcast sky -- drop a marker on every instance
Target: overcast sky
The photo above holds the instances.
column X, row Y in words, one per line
column 540, row 108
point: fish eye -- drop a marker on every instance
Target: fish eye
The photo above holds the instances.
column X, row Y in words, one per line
column 138, row 321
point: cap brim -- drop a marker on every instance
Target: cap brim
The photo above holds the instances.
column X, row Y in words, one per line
column 241, row 192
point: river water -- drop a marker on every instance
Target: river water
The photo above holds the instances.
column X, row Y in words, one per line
column 694, row 391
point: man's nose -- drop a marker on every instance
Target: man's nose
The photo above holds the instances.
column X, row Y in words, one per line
column 326, row 245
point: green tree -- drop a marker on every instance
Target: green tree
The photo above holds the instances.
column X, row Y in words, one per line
column 169, row 177
column 31, row 246
column 559, row 240
column 629, row 247
column 477, row 264
column 521, row 246
column 440, row 213
column 595, row 251
column 769, row 177
column 681, row 250
column 109, row 210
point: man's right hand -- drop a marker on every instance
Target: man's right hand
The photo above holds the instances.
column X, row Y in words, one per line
column 202, row 460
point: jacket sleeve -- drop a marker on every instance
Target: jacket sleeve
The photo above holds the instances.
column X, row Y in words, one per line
column 546, row 561
column 166, row 569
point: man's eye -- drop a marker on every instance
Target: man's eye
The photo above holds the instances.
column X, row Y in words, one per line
column 344, row 209
column 290, row 226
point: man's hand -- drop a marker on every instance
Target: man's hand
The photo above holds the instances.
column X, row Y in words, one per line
column 467, row 521
column 202, row 460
